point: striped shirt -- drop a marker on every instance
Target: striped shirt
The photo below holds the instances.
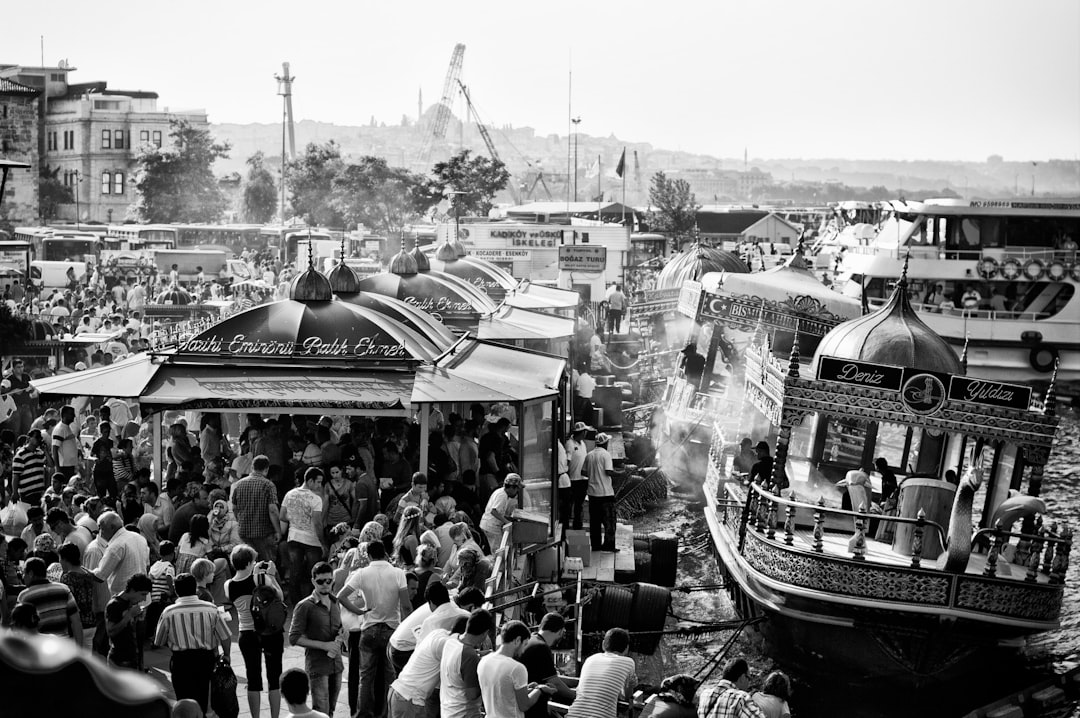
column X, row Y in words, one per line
column 55, row 605
column 604, row 679
column 191, row 624
column 162, row 574
column 28, row 471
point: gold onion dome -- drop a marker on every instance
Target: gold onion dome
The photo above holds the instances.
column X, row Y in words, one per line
column 402, row 264
column 459, row 248
column 310, row 286
column 446, row 252
column 893, row 334
column 694, row 262
column 422, row 262
column 343, row 279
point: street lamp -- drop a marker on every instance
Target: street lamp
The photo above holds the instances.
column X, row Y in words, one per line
column 576, row 121
column 453, row 195
column 78, row 213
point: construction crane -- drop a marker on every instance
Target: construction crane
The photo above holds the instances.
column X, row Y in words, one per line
column 536, row 176
column 442, row 110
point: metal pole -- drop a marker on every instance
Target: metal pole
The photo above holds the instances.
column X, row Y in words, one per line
column 576, row 121
column 77, row 211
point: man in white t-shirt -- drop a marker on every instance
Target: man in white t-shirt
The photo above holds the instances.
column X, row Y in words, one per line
column 446, row 615
column 65, row 443
column 384, row 594
column 597, row 468
column 302, row 524
column 579, row 483
column 504, row 682
column 405, row 637
column 459, row 685
column 499, row 510
column 412, row 695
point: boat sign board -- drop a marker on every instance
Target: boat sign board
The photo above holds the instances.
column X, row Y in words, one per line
column 747, row 312
column 689, row 299
column 582, row 258
column 874, row 376
column 989, row 393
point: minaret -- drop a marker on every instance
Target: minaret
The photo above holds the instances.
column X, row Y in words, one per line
column 419, row 104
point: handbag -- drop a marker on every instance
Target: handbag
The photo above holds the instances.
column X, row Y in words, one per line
column 223, row 690
column 350, row 621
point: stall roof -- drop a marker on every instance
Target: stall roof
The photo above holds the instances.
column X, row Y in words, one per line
column 539, row 296
column 232, row 387
column 124, row 379
column 505, row 373
column 515, row 323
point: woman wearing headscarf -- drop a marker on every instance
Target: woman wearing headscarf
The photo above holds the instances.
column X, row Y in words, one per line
column 473, row 569
column 675, row 698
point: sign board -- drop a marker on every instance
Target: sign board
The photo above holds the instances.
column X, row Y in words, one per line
column 745, row 313
column 989, row 393
column 689, row 299
column 501, row 255
column 582, row 258
column 874, row 376
column 377, row 346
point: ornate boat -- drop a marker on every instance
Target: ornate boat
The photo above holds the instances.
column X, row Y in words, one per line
column 936, row 589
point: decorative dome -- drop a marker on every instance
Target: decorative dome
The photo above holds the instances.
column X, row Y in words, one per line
column 482, row 274
column 403, row 264
column 893, row 335
column 310, row 286
column 422, row 263
column 343, row 279
column 694, row 262
column 174, row 295
column 41, row 330
column 446, row 252
column 459, row 248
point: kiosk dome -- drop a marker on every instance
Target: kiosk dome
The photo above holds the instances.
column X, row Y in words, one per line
column 694, row 262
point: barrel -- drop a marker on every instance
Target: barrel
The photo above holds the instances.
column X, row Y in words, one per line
column 616, row 606
column 649, row 613
column 935, row 498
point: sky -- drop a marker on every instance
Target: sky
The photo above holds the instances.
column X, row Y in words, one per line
column 857, row 79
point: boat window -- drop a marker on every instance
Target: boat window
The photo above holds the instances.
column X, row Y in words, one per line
column 898, row 445
column 535, row 461
column 845, row 441
column 1042, row 232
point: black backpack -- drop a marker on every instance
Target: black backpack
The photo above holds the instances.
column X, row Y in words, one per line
column 267, row 610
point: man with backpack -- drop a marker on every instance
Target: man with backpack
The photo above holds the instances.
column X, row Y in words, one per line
column 260, row 611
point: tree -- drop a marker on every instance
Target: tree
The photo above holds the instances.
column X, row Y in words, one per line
column 260, row 191
column 310, row 179
column 177, row 183
column 385, row 198
column 478, row 178
column 673, row 207
column 14, row 330
column 52, row 193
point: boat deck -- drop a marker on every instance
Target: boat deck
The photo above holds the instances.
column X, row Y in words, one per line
column 603, row 565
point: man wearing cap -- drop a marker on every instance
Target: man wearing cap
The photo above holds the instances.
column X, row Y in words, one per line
column 65, row 443
column 499, row 510
column 598, row 468
column 575, row 459
column 761, row 471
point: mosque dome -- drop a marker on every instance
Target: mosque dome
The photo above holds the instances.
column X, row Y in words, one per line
column 310, row 286
column 343, row 279
column 694, row 262
column 893, row 334
column 403, row 263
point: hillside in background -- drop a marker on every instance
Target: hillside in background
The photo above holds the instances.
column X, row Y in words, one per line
column 713, row 179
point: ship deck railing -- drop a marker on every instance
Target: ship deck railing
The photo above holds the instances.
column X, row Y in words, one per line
column 935, row 252
column 990, row 314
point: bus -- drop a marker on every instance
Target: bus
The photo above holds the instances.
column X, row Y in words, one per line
column 70, row 247
column 295, row 243
column 231, row 238
column 149, row 236
column 15, row 258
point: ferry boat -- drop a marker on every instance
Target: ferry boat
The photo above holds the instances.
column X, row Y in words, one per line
column 1000, row 276
column 946, row 584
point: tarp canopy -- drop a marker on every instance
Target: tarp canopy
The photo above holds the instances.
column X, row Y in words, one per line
column 485, row 276
column 179, row 386
column 511, row 323
column 125, row 379
column 449, row 299
column 503, row 373
column 542, row 297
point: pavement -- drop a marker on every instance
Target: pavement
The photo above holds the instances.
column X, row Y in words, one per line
column 156, row 662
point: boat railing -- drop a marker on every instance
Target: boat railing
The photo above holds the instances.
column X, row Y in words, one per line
column 967, row 313
column 929, row 251
column 1047, row 549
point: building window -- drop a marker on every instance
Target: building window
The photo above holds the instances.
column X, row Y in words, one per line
column 56, row 76
column 144, row 136
column 5, row 112
column 118, row 183
column 118, row 139
column 157, row 138
column 106, row 182
column 106, row 139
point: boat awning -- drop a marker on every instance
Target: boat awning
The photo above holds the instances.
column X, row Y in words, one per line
column 124, row 379
column 179, row 386
column 528, row 295
column 480, row 371
column 510, row 323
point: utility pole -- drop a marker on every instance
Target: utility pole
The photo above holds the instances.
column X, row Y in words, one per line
column 78, row 213
column 576, row 121
column 285, row 90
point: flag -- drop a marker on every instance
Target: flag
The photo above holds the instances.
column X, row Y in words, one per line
column 621, row 167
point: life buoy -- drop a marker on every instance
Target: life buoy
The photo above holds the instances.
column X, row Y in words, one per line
column 988, row 268
column 1056, row 270
column 1010, row 268
column 1043, row 357
column 1074, row 271
column 1034, row 269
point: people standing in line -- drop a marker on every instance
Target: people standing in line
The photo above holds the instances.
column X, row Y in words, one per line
column 385, row 595
column 255, row 644
column 504, row 682
column 729, row 698
column 316, row 627
column 414, row 693
column 295, row 688
column 57, row 611
column 606, row 677
column 576, row 451
column 500, row 510
column 598, row 467
column 404, row 638
column 255, row 505
column 301, row 523
column 459, row 685
column 774, row 695
column 539, row 661
column 28, row 470
column 193, row 630
column 122, row 615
